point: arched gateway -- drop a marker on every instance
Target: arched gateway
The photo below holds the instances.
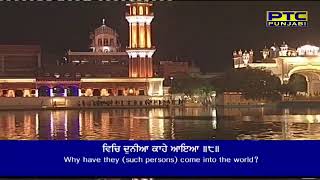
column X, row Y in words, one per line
column 284, row 61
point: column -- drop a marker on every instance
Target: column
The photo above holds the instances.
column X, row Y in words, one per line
column 36, row 94
column 150, row 69
column 148, row 36
column 140, row 67
column 130, row 33
column 79, row 92
column 51, row 92
column 142, row 35
column 134, row 35
column 65, row 92
column 130, row 66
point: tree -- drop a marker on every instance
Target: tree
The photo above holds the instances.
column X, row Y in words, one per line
column 253, row 83
column 192, row 86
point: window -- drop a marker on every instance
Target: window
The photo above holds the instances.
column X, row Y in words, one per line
column 120, row 92
column 96, row 92
column 105, row 42
column 140, row 10
column 111, row 42
column 141, row 92
column 110, row 92
column 99, row 42
column 134, row 10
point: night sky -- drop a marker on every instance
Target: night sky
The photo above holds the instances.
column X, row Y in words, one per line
column 203, row 31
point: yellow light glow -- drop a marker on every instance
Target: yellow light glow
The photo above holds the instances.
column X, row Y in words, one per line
column 11, row 93
column 148, row 36
column 95, row 80
column 26, row 93
column 147, row 10
column 141, row 36
column 130, row 34
column 140, row 10
column 134, row 10
column 89, row 92
column 17, row 80
column 104, row 92
column 134, row 35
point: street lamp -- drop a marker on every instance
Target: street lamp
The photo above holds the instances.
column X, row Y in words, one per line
column 171, row 85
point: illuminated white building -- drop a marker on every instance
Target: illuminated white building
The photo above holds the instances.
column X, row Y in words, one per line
column 284, row 61
column 138, row 81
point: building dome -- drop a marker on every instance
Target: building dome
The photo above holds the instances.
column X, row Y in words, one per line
column 308, row 50
column 103, row 29
column 105, row 39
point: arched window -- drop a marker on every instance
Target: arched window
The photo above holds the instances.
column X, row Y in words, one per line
column 111, row 42
column 99, row 42
column 147, row 10
column 105, row 42
column 140, row 10
column 134, row 10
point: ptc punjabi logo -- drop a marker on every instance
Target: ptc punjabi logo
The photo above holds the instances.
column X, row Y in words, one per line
column 287, row 19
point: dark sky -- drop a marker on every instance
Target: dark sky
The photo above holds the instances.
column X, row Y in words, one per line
column 204, row 31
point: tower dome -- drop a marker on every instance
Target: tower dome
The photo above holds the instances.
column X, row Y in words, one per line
column 104, row 39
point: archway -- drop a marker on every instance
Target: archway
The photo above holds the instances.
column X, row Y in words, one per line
column 312, row 77
column 73, row 91
column 18, row 93
column 43, row 91
column 96, row 92
column 58, row 91
column 298, row 84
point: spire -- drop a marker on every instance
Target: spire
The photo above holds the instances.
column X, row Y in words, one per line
column 103, row 22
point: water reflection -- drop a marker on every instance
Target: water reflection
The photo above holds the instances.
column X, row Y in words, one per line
column 153, row 124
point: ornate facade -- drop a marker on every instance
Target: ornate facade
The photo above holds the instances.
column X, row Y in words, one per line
column 284, row 61
column 103, row 71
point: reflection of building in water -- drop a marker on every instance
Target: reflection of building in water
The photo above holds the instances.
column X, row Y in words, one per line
column 58, row 125
column 122, row 124
column 18, row 125
column 156, row 124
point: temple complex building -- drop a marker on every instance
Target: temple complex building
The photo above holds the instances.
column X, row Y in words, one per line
column 106, row 70
column 284, row 61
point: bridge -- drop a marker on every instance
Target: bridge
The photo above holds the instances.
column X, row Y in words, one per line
column 284, row 61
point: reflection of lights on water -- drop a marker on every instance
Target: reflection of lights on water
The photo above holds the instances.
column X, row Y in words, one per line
column 214, row 112
column 214, row 123
column 65, row 125
column 37, row 124
column 317, row 118
column 156, row 124
column 172, row 129
column 51, row 124
column 286, row 111
column 80, row 124
column 310, row 119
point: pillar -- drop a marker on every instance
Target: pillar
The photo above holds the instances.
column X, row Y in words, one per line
column 65, row 92
column 308, row 87
column 51, row 92
column 36, row 93
column 134, row 35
